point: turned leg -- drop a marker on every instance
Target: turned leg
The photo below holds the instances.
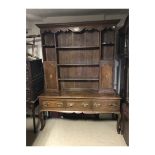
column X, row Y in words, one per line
column 119, row 123
column 41, row 117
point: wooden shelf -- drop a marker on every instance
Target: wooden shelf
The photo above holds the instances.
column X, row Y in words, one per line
column 80, row 79
column 78, row 64
column 78, row 47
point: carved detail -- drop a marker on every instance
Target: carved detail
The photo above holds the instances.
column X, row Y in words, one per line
column 76, row 29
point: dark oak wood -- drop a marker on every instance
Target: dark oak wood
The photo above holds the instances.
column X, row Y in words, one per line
column 106, row 76
column 51, row 80
column 82, row 101
column 124, row 78
column 79, row 68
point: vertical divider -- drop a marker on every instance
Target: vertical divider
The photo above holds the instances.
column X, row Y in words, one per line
column 100, row 44
column 43, row 49
column 57, row 61
column 100, row 55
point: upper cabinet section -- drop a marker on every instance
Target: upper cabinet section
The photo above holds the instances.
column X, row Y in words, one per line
column 80, row 55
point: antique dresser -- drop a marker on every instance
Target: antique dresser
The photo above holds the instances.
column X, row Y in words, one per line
column 79, row 68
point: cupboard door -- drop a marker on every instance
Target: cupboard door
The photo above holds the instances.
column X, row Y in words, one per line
column 50, row 73
column 106, row 76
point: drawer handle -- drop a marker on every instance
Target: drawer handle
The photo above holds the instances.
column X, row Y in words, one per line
column 70, row 104
column 112, row 104
column 46, row 104
column 59, row 104
column 97, row 104
column 85, row 104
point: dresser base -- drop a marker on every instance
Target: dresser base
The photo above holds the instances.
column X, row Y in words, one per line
column 81, row 102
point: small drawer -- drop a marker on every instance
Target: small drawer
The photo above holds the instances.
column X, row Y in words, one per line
column 106, row 106
column 78, row 105
column 52, row 104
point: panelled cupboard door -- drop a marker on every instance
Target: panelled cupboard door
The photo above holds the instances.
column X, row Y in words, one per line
column 106, row 76
column 50, row 73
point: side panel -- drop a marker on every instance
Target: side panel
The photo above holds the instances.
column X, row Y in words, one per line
column 50, row 73
column 106, row 76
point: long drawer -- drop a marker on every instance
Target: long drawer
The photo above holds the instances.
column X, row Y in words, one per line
column 52, row 104
column 81, row 105
column 106, row 106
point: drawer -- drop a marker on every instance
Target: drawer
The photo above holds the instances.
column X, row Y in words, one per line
column 78, row 105
column 106, row 106
column 52, row 104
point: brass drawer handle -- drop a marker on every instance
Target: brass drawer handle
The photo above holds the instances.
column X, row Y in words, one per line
column 46, row 104
column 97, row 104
column 112, row 104
column 60, row 104
column 70, row 104
column 85, row 104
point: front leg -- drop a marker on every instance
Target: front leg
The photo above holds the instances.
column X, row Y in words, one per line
column 41, row 117
column 119, row 123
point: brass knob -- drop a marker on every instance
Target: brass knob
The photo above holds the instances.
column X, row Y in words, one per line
column 70, row 104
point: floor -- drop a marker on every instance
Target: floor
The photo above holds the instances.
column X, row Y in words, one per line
column 69, row 132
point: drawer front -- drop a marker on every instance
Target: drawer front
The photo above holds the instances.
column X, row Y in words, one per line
column 102, row 106
column 78, row 105
column 106, row 106
column 52, row 104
